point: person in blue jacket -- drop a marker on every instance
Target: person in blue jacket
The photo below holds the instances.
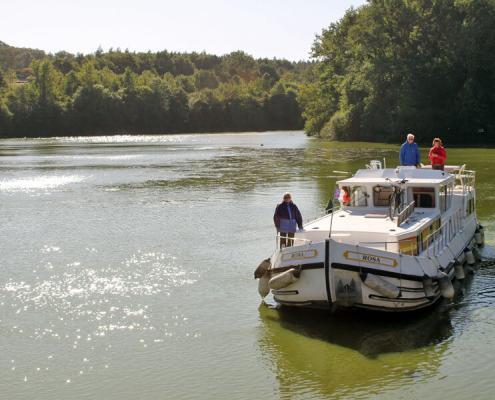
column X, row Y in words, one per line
column 287, row 218
column 409, row 152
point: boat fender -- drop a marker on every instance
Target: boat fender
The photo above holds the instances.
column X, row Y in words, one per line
column 469, row 270
column 262, row 268
column 428, row 286
column 459, row 271
column 482, row 232
column 284, row 279
column 478, row 237
column 380, row 285
column 476, row 254
column 446, row 287
column 462, row 258
column 470, row 257
column 263, row 288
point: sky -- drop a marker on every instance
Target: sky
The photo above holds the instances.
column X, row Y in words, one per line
column 262, row 28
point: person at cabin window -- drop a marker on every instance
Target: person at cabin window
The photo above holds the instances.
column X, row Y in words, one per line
column 409, row 152
column 287, row 219
column 437, row 155
column 345, row 196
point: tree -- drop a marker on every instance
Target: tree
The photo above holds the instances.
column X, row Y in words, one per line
column 204, row 79
column 122, row 91
column 392, row 66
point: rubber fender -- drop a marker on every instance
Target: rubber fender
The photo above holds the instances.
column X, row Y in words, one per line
column 446, row 287
column 284, row 279
column 263, row 288
column 380, row 285
column 459, row 271
column 478, row 238
column 262, row 268
column 428, row 286
column 462, row 258
column 476, row 254
column 470, row 257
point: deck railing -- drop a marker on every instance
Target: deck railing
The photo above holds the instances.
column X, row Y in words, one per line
column 465, row 178
column 405, row 213
column 295, row 241
column 438, row 239
column 435, row 242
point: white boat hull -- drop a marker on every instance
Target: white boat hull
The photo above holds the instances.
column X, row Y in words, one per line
column 332, row 274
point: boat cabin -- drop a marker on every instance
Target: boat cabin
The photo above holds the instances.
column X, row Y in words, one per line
column 372, row 190
column 402, row 210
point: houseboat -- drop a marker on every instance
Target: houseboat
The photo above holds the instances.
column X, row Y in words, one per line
column 394, row 240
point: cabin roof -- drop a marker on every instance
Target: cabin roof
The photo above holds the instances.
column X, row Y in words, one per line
column 352, row 221
column 387, row 175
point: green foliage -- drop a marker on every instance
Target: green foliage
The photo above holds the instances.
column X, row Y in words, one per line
column 3, row 80
column 393, row 66
column 120, row 91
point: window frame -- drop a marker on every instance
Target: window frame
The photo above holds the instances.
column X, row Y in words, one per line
column 423, row 190
column 364, row 195
column 375, row 194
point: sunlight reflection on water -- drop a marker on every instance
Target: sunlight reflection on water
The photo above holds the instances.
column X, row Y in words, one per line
column 133, row 279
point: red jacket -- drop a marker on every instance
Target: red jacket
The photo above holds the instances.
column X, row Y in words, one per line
column 437, row 155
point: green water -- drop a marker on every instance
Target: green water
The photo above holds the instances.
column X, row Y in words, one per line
column 126, row 273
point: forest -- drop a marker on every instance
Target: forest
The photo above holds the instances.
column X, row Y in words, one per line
column 117, row 92
column 396, row 66
column 385, row 69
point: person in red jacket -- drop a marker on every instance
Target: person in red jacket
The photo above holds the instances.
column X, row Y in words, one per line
column 437, row 155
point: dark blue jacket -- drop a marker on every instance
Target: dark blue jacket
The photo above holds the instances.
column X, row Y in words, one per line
column 409, row 154
column 281, row 212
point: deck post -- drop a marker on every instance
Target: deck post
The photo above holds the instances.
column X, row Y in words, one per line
column 327, row 273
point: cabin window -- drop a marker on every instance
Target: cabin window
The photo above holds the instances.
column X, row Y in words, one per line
column 424, row 197
column 359, row 196
column 409, row 246
column 430, row 230
column 381, row 195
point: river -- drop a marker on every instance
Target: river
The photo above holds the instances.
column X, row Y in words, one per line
column 127, row 273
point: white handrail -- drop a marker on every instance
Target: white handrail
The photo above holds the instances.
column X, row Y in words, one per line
column 293, row 239
column 437, row 240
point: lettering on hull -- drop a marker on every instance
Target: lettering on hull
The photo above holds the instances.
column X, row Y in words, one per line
column 299, row 255
column 370, row 258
